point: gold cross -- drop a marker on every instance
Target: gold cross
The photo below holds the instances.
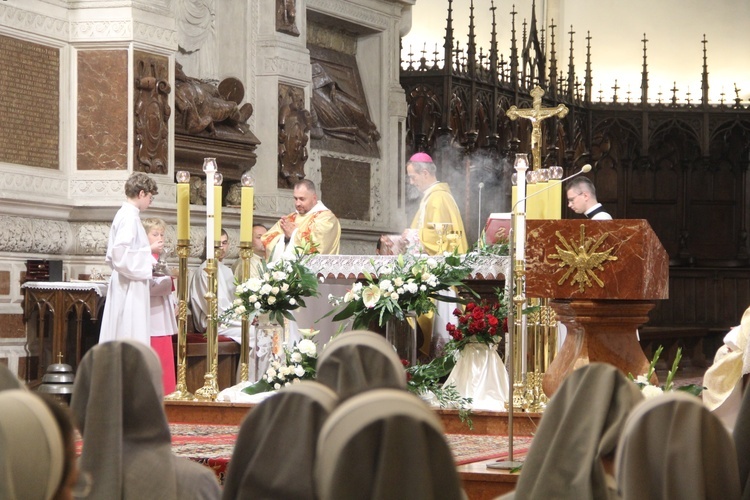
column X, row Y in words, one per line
column 536, row 114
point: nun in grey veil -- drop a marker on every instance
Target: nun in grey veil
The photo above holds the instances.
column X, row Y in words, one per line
column 673, row 447
column 8, row 380
column 358, row 361
column 118, row 406
column 580, row 427
column 275, row 450
column 385, row 444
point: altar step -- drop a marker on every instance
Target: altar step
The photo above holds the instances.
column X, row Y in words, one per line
column 479, row 482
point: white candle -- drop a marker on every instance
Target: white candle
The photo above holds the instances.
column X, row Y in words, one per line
column 521, row 165
column 209, row 167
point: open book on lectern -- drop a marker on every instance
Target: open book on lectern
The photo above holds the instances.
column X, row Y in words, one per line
column 497, row 228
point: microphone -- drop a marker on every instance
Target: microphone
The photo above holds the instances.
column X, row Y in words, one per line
column 584, row 169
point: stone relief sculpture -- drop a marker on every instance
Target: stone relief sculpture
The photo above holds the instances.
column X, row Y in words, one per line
column 337, row 113
column 197, row 191
column 286, row 15
column 200, row 107
column 152, row 113
column 294, row 125
column 196, row 36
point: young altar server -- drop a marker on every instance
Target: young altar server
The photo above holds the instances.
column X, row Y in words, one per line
column 163, row 307
column 127, row 310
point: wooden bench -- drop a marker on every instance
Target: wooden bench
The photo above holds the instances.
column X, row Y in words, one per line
column 690, row 338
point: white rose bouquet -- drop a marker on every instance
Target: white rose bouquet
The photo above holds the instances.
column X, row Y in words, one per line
column 409, row 283
column 281, row 287
column 299, row 363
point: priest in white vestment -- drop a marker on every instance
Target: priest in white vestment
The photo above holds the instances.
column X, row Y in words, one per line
column 312, row 226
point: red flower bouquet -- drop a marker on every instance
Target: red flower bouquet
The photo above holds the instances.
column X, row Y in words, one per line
column 484, row 322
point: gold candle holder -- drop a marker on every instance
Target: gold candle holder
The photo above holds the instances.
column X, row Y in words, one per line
column 537, row 327
column 210, row 388
column 246, row 252
column 519, row 402
column 181, row 392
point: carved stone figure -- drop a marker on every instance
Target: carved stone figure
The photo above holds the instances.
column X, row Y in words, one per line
column 197, row 191
column 337, row 113
column 200, row 107
column 152, row 113
column 286, row 15
column 196, row 36
column 234, row 196
column 294, row 124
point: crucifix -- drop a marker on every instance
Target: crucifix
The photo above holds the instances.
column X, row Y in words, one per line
column 535, row 115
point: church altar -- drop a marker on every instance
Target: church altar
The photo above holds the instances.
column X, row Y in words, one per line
column 351, row 267
column 339, row 272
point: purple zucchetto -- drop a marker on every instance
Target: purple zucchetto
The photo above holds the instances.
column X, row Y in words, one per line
column 421, row 158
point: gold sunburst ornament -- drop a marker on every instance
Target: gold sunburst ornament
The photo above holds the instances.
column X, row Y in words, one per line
column 583, row 260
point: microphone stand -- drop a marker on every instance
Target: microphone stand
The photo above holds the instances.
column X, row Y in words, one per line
column 517, row 274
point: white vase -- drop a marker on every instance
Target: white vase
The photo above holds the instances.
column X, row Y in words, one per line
column 480, row 374
column 402, row 334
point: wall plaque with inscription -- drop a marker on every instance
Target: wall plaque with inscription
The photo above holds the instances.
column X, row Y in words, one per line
column 29, row 103
column 345, row 187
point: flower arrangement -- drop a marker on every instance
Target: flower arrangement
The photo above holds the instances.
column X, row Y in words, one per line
column 650, row 390
column 407, row 285
column 426, row 379
column 299, row 363
column 280, row 288
column 479, row 322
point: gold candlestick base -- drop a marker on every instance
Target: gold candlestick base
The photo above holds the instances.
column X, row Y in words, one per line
column 181, row 392
column 210, row 388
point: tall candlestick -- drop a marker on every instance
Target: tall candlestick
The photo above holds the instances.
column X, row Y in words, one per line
column 246, row 208
column 183, row 205
column 217, row 212
column 209, row 166
column 521, row 165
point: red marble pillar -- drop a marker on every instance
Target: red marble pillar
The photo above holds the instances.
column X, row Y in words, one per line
column 604, row 277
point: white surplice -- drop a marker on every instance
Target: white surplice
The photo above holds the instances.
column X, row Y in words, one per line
column 127, row 311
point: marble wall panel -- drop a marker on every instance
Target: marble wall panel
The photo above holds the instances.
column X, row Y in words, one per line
column 102, row 110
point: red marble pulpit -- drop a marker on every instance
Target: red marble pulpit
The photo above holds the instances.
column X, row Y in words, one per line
column 604, row 277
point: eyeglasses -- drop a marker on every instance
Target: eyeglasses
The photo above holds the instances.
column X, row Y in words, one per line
column 571, row 200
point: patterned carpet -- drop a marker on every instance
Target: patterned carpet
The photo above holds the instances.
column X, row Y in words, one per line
column 212, row 445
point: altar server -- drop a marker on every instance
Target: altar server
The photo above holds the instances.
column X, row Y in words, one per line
column 127, row 312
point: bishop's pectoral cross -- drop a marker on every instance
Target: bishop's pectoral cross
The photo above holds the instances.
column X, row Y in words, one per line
column 535, row 115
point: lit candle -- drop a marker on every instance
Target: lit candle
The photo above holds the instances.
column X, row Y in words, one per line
column 521, row 165
column 218, row 178
column 209, row 166
column 183, row 205
column 246, row 208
